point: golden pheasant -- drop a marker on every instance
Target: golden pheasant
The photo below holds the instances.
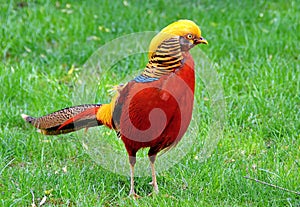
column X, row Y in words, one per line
column 151, row 111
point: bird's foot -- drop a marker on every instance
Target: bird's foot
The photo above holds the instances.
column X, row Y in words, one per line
column 153, row 193
column 155, row 188
column 134, row 195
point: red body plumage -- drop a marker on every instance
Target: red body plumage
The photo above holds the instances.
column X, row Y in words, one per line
column 157, row 114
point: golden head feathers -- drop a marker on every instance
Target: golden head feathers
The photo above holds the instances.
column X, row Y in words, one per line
column 183, row 28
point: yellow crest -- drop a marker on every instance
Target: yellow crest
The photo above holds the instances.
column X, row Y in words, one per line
column 178, row 28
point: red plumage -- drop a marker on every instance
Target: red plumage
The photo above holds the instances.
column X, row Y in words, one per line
column 170, row 100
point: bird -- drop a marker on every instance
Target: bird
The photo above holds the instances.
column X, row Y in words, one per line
column 153, row 110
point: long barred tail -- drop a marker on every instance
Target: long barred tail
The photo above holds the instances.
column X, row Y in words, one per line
column 66, row 120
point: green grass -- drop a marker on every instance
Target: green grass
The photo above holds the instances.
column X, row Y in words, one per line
column 255, row 45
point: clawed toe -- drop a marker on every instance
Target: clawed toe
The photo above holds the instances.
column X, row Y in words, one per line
column 134, row 195
column 153, row 193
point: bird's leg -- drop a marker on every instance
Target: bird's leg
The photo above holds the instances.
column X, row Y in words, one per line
column 131, row 180
column 132, row 160
column 154, row 182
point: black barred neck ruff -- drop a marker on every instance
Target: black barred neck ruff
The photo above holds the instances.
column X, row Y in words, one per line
column 166, row 59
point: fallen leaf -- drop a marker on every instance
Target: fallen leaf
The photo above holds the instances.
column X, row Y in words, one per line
column 43, row 201
column 71, row 69
column 48, row 192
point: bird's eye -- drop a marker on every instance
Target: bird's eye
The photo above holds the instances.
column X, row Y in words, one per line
column 189, row 36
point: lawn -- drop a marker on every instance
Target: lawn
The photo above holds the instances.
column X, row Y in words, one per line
column 254, row 47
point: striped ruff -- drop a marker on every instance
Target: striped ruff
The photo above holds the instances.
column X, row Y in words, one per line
column 166, row 59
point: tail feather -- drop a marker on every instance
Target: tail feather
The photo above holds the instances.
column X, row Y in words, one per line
column 86, row 119
column 66, row 120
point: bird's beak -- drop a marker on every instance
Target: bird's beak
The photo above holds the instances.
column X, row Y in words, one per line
column 200, row 40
